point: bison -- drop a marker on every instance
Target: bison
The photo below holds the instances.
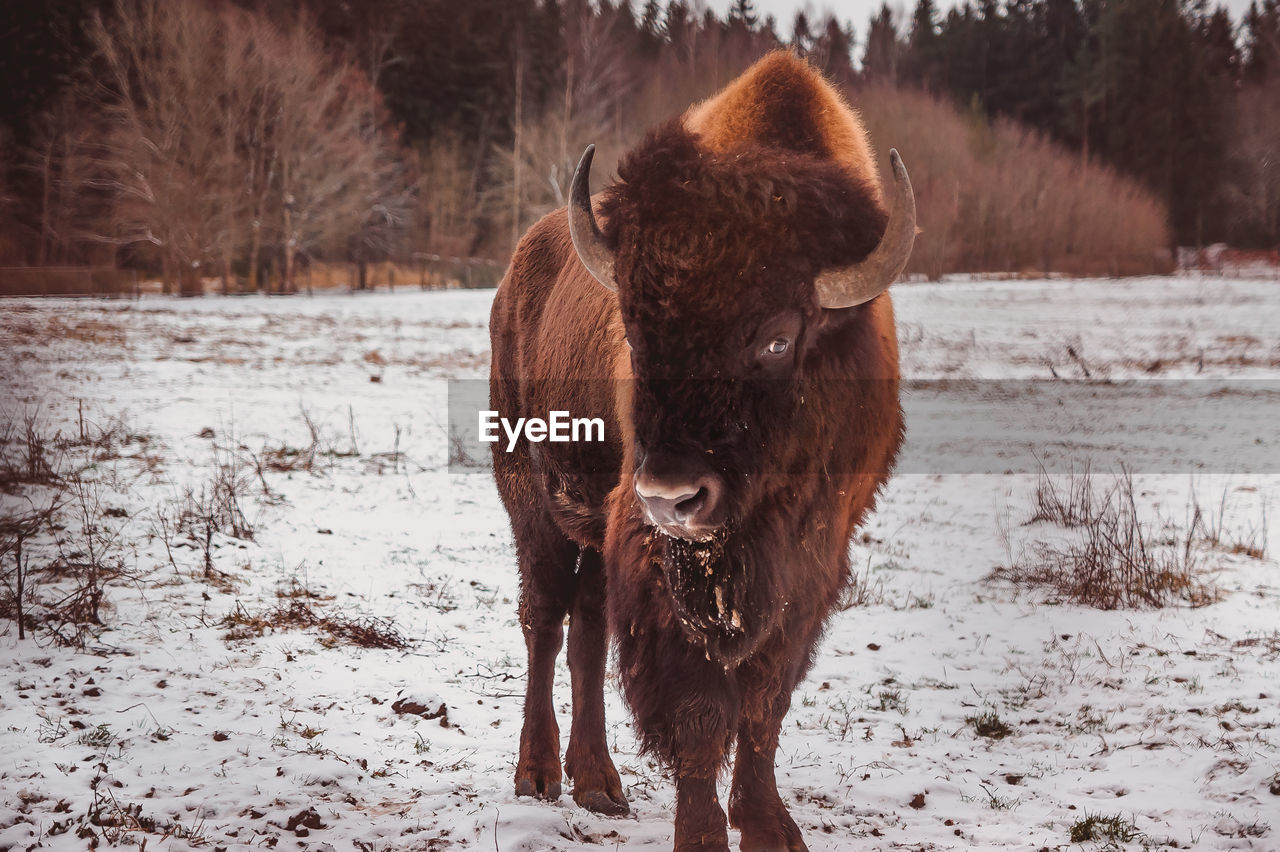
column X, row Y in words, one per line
column 722, row 307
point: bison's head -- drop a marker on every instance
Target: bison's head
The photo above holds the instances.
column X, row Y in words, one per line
column 731, row 271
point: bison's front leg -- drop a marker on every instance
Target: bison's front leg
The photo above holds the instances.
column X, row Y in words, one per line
column 767, row 681
column 755, row 807
column 686, row 710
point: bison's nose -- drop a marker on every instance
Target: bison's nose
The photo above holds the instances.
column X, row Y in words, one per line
column 685, row 507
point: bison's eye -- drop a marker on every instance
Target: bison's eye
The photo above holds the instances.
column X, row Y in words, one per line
column 778, row 346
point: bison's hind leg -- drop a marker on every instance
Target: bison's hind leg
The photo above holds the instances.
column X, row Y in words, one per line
column 558, row 579
column 547, row 583
column 596, row 784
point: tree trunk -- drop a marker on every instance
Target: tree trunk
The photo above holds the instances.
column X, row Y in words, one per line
column 287, row 285
column 518, row 157
column 227, row 276
column 166, row 273
column 255, row 249
column 190, row 282
column 17, row 597
column 45, row 235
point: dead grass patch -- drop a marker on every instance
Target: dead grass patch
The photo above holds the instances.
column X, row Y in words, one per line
column 99, row 332
column 62, row 544
column 1112, row 559
column 119, row 823
column 317, row 454
column 861, row 590
column 1212, row 526
column 302, row 612
column 989, row 725
column 31, row 454
column 1096, row 828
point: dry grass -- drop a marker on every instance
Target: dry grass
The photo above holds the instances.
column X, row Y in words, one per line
column 32, row 455
column 300, row 608
column 62, row 542
column 316, row 455
column 1212, row 527
column 91, row 555
column 113, row 822
column 215, row 507
column 989, row 725
column 26, row 456
column 1070, row 504
column 1096, row 828
column 1113, row 560
column 861, row 591
column 381, row 274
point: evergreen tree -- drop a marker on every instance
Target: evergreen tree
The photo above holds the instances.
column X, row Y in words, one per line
column 962, row 57
column 923, row 47
column 1261, row 26
column 880, row 60
column 1216, row 35
column 1162, row 119
column 831, row 51
column 649, row 18
column 801, row 35
column 44, row 43
column 679, row 28
column 744, row 12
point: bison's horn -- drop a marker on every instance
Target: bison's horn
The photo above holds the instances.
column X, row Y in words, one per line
column 587, row 239
column 863, row 281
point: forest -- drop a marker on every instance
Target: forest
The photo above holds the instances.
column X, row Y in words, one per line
column 204, row 141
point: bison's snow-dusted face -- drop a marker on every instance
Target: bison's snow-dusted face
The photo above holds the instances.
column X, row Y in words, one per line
column 726, row 269
column 709, row 406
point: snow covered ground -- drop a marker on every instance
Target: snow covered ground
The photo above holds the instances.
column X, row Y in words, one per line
column 230, row 703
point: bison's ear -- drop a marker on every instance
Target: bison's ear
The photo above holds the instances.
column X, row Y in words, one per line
column 588, row 242
column 848, row 286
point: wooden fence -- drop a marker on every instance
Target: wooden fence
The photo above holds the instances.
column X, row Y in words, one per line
column 68, row 281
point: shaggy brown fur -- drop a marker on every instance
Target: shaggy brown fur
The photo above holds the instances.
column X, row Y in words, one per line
column 720, row 224
column 776, row 103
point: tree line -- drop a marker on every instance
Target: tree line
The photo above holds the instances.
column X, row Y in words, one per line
column 1172, row 92
column 202, row 140
column 237, row 141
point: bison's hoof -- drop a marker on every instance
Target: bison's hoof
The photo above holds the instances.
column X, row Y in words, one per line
column 704, row 844
column 796, row 845
column 780, row 837
column 766, row 828
column 540, row 787
column 602, row 802
column 596, row 785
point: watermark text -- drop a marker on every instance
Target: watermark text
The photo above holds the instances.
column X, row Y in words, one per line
column 559, row 427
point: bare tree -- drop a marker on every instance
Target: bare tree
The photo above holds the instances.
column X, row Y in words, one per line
column 338, row 172
column 166, row 157
column 448, row 194
column 63, row 158
column 230, row 137
column 10, row 241
column 534, row 173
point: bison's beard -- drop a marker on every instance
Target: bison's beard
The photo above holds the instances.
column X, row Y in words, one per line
column 712, row 595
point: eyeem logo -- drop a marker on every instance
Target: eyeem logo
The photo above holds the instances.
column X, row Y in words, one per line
column 558, row 428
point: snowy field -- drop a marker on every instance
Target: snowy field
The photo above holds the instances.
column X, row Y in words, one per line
column 229, row 697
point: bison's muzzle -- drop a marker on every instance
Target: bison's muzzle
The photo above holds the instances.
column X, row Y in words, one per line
column 681, row 505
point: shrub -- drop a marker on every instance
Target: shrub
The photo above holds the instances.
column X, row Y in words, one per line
column 1113, row 561
column 992, row 196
